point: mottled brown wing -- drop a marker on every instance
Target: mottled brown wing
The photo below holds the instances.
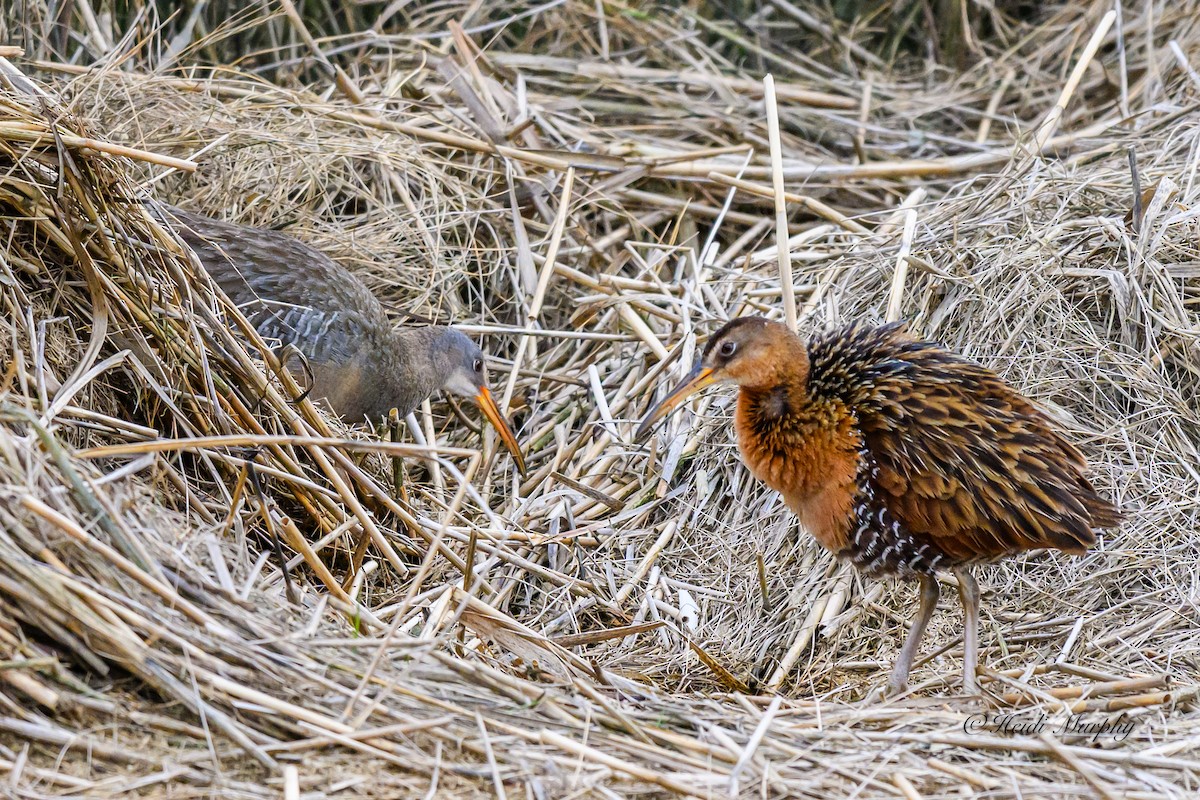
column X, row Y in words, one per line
column 289, row 290
column 964, row 461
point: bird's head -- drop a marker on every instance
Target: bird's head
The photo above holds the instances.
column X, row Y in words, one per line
column 461, row 362
column 752, row 352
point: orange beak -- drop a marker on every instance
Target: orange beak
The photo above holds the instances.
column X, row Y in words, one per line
column 699, row 378
column 492, row 412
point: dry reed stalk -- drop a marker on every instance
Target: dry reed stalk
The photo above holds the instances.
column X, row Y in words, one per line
column 900, row 276
column 1097, row 689
column 35, row 136
column 781, row 227
column 1054, row 116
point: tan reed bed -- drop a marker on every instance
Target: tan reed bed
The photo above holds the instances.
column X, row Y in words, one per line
column 588, row 192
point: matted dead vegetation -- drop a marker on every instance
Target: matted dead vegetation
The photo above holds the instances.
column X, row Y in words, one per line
column 586, row 188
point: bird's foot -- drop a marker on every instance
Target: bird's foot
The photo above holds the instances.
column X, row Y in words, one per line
column 970, row 693
column 968, row 703
column 874, row 697
column 890, row 691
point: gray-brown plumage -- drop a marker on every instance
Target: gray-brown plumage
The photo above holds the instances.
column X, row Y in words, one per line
column 361, row 365
column 900, row 456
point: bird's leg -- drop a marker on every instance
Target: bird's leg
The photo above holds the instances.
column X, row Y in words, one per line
column 968, row 592
column 898, row 682
column 396, row 434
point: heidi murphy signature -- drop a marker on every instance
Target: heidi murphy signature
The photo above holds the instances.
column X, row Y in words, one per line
column 1090, row 727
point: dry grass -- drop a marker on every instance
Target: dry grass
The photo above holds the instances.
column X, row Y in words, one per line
column 148, row 465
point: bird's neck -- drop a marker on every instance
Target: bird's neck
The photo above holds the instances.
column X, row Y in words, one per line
column 399, row 372
column 415, row 375
column 774, row 423
column 783, row 409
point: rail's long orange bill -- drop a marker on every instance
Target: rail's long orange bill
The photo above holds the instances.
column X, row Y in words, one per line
column 492, row 411
column 697, row 379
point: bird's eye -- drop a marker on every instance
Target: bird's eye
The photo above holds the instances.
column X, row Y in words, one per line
column 478, row 365
column 727, row 349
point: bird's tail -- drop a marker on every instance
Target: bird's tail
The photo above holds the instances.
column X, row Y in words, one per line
column 1103, row 513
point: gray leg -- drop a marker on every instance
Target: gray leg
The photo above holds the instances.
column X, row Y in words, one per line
column 898, row 682
column 968, row 591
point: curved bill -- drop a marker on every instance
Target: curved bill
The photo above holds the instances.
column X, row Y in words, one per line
column 697, row 379
column 492, row 412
